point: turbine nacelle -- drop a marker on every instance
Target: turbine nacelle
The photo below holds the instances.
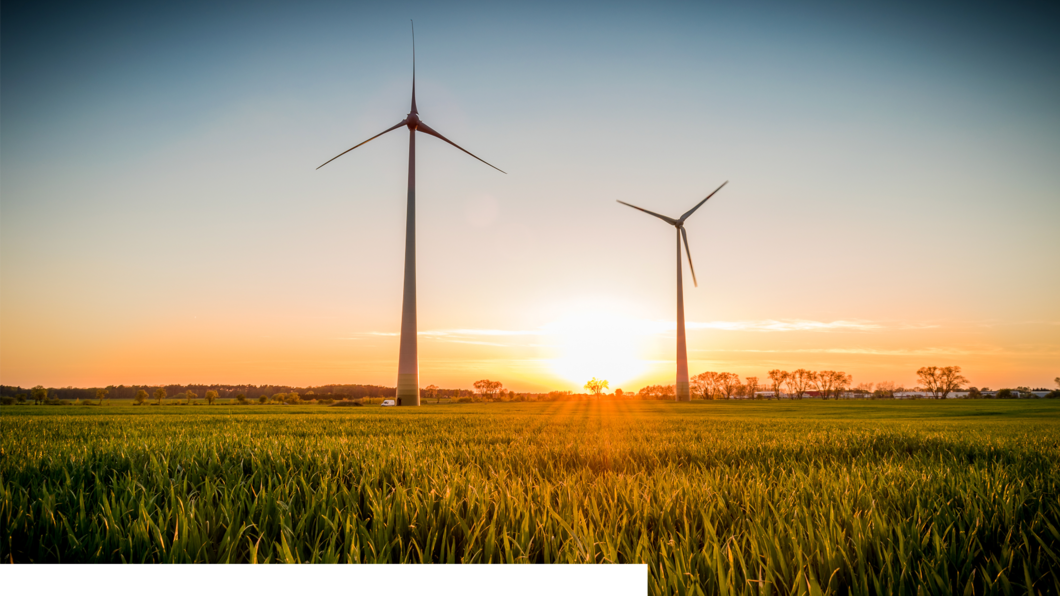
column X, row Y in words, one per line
column 414, row 124
column 682, row 235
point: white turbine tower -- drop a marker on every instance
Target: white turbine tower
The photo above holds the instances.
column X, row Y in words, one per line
column 408, row 381
column 683, row 393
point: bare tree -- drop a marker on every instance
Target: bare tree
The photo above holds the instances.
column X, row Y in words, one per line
column 777, row 378
column 190, row 395
column 706, row 384
column 865, row 388
column 752, row 386
column 596, row 386
column 657, row 392
column 728, row 383
column 101, row 394
column 822, row 380
column 831, row 383
column 488, row 388
column 840, row 383
column 432, row 391
column 798, row 382
column 941, row 381
column 884, row 389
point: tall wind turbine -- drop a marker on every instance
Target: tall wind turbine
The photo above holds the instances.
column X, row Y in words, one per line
column 683, row 393
column 408, row 382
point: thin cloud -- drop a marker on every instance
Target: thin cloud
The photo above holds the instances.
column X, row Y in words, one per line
column 930, row 351
column 772, row 325
column 473, row 332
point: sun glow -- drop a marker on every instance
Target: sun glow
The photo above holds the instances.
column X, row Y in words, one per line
column 600, row 345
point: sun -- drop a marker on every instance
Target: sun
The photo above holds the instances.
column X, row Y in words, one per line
column 600, row 345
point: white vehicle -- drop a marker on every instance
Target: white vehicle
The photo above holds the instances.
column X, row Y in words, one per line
column 388, row 402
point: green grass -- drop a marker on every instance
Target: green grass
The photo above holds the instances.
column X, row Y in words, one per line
column 758, row 497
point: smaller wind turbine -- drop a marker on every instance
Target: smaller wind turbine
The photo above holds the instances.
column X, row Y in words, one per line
column 683, row 393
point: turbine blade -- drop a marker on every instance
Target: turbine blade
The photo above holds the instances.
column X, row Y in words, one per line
column 398, row 125
column 693, row 209
column 413, row 66
column 668, row 220
column 427, row 129
column 684, row 236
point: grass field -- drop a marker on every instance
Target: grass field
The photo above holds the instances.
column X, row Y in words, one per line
column 762, row 497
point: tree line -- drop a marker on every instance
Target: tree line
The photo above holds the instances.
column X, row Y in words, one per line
column 940, row 382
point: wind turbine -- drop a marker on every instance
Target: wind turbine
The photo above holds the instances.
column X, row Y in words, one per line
column 408, row 382
column 682, row 387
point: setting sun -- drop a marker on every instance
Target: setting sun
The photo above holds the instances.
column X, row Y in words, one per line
column 600, row 345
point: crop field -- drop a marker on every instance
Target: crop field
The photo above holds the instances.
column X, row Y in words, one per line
column 955, row 497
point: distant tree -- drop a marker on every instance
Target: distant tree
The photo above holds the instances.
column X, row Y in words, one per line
column 884, row 389
column 974, row 393
column 160, row 394
column 279, row 397
column 619, row 392
column 777, row 378
column 488, row 389
column 261, row 398
column 40, row 394
column 657, row 392
column 841, row 382
column 941, row 381
column 822, row 380
column 293, row 398
column 831, row 383
column 190, row 395
column 705, row 384
column 865, row 388
column 432, row 391
column 1057, row 381
column 242, row 398
column 798, row 382
column 1007, row 394
column 751, row 387
column 596, row 386
column 211, row 397
column 728, row 383
column 141, row 397
column 101, row 394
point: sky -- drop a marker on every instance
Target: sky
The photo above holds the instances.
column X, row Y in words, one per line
column 892, row 201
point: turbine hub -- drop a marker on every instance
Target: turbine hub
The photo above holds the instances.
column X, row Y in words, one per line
column 413, row 120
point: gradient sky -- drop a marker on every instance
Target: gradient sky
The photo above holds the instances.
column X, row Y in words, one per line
column 893, row 201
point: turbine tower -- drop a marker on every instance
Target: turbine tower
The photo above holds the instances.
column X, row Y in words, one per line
column 408, row 381
column 683, row 393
